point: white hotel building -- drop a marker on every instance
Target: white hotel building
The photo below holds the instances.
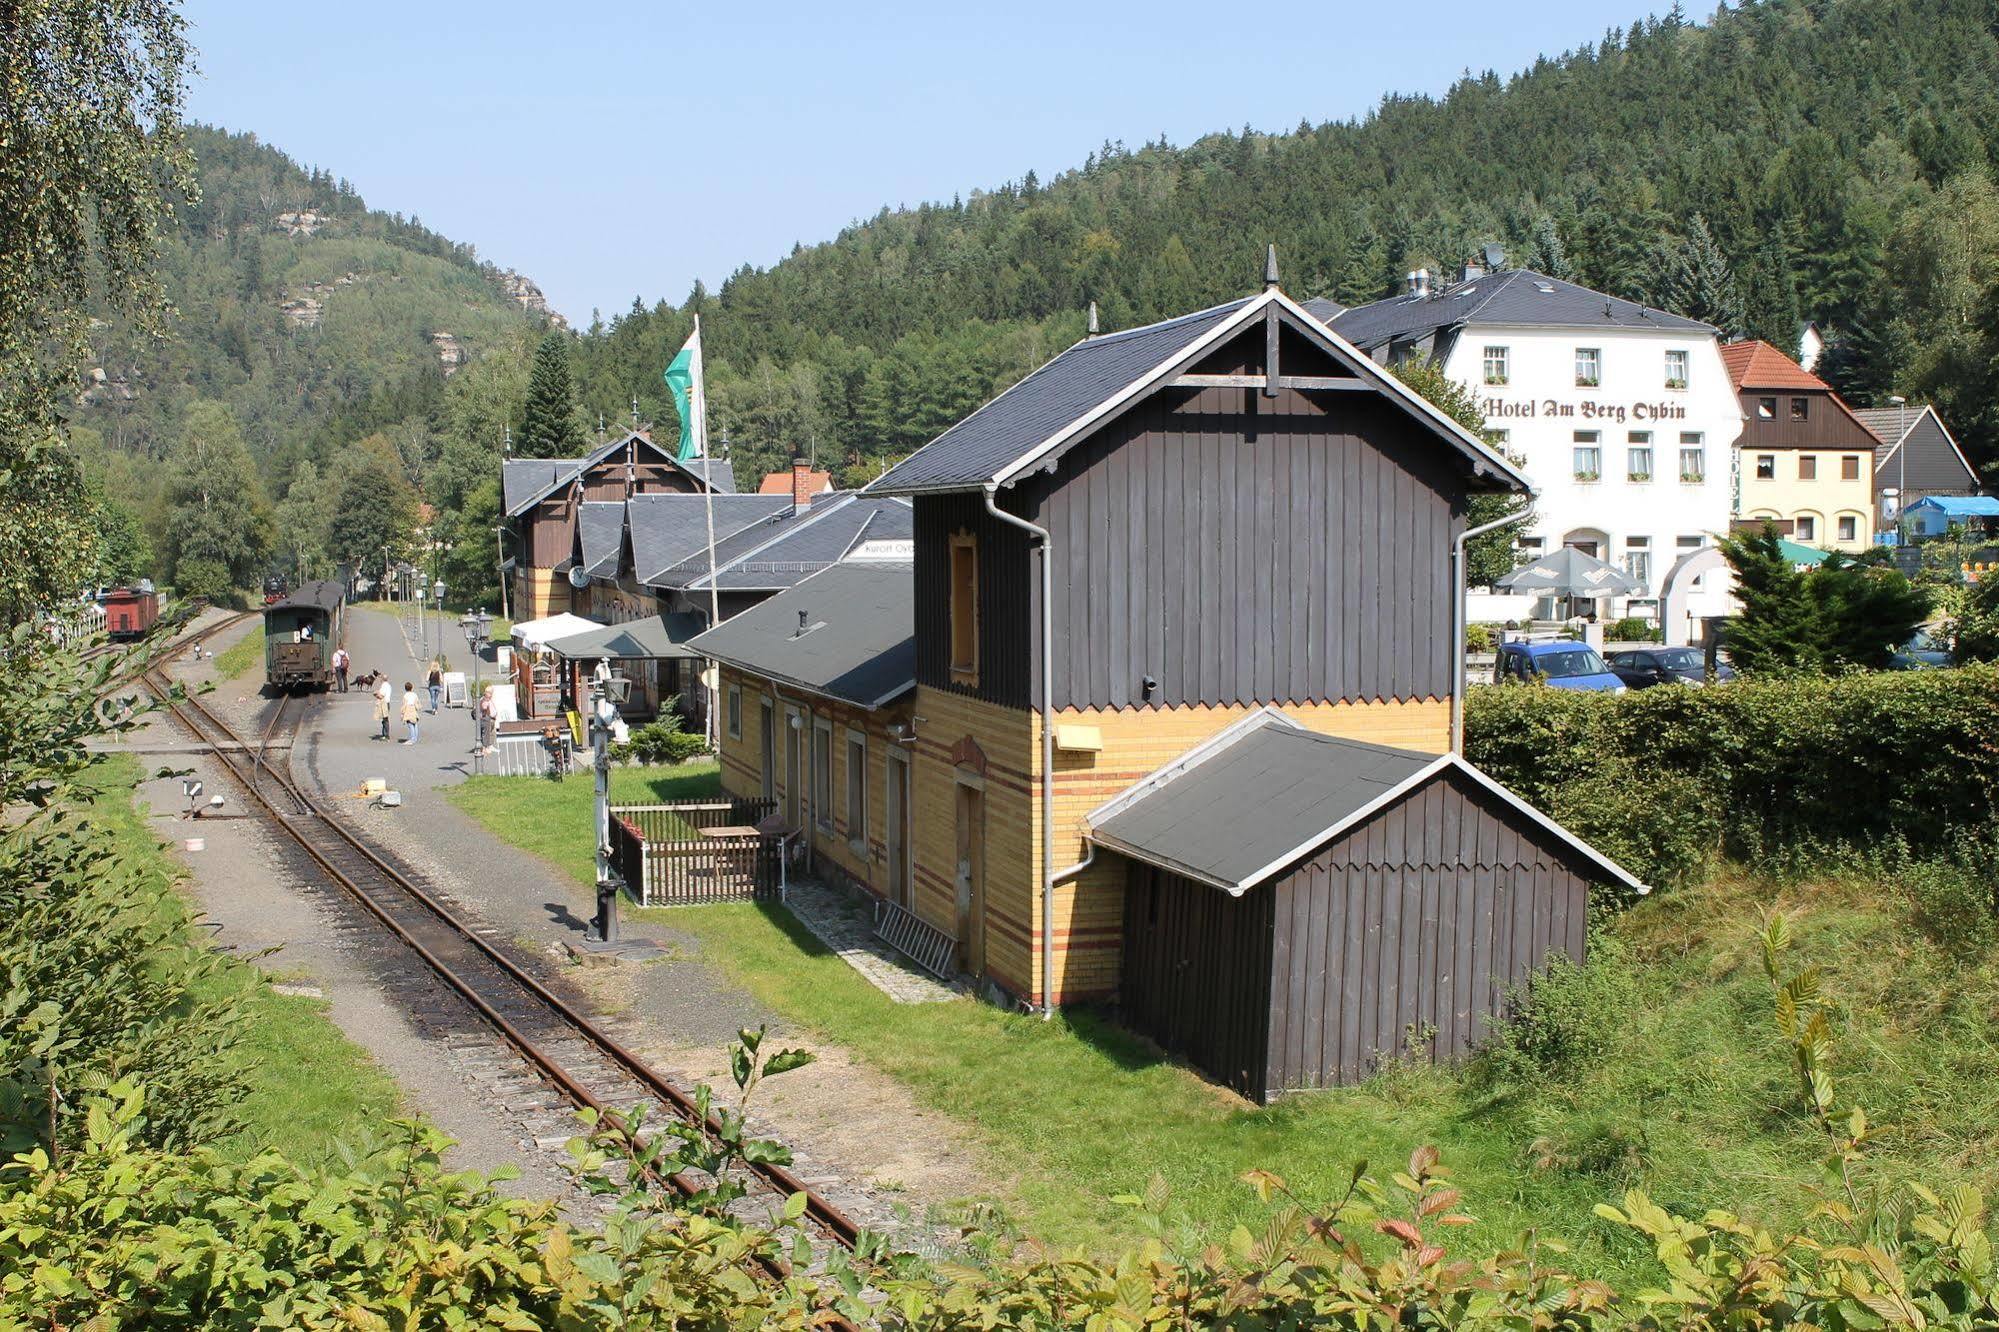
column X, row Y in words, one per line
column 1624, row 417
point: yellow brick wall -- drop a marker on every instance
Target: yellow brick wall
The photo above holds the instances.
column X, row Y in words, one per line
column 1089, row 908
column 742, row 760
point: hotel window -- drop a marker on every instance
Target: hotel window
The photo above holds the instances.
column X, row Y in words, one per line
column 1589, row 455
column 1805, row 528
column 1766, row 409
column 822, row 772
column 1766, row 467
column 1693, row 458
column 1589, row 367
column 965, row 608
column 1799, row 407
column 857, row 793
column 1532, row 547
column 1676, row 368
column 1638, row 458
column 1808, row 467
column 1849, row 528
column 735, row 713
column 1638, row 559
column 1496, row 366
column 1849, row 467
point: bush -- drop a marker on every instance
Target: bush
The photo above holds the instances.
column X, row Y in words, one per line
column 661, row 741
column 1565, row 1018
column 1478, row 638
column 1754, row 767
column 1954, row 895
column 1631, row 629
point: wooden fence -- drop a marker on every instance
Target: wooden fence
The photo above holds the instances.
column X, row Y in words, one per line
column 674, row 855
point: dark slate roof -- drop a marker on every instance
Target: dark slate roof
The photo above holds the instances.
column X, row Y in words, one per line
column 672, row 528
column 1513, row 296
column 654, row 638
column 761, row 559
column 1935, row 463
column 860, row 641
column 1265, row 792
column 1256, row 801
column 1048, row 401
column 521, row 479
column 720, row 472
column 600, row 527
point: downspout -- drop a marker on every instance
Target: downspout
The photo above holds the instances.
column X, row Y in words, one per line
column 1459, row 614
column 1040, row 535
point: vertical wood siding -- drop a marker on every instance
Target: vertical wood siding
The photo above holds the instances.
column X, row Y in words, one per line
column 1007, row 596
column 1197, row 974
column 1244, row 550
column 1420, row 919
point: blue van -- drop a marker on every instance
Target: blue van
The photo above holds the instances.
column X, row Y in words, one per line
column 1564, row 665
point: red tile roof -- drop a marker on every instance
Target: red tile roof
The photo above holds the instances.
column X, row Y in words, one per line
column 779, row 483
column 1758, row 365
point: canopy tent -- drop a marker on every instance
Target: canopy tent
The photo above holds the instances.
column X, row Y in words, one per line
column 655, row 638
column 1801, row 555
column 1568, row 572
column 535, row 634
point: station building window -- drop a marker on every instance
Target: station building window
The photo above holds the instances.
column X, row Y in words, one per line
column 822, row 773
column 857, row 792
column 735, row 712
column 965, row 608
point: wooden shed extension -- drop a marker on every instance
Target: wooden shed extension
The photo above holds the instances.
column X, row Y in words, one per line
column 1298, row 904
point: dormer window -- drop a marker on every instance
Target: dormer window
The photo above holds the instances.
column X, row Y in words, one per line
column 1589, row 367
column 964, row 608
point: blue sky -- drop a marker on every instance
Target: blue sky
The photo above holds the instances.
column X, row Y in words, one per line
column 612, row 150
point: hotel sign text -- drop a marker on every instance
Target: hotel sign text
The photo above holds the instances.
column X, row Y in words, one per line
column 1496, row 409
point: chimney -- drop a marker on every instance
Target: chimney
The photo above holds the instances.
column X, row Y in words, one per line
column 1472, row 271
column 1419, row 284
column 801, row 484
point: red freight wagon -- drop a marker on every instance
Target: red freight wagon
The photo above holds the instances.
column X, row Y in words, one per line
column 129, row 612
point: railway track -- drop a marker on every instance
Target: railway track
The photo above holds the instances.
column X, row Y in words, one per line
column 569, row 1052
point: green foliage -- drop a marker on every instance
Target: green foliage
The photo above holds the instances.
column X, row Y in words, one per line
column 1833, row 615
column 1567, row 1017
column 1663, row 778
column 1478, row 638
column 218, row 527
column 373, row 506
column 1631, row 629
column 1492, row 556
column 661, row 741
column 91, row 167
column 1697, row 283
column 549, row 424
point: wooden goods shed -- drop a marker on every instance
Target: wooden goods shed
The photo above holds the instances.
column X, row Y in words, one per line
column 1298, row 905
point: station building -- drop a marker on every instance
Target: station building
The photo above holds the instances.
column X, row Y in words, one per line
column 1807, row 462
column 1623, row 417
column 1917, row 458
column 1156, row 707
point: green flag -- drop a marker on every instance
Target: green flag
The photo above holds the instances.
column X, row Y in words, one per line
column 690, row 399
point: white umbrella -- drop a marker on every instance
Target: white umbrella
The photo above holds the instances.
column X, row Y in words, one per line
column 1568, row 572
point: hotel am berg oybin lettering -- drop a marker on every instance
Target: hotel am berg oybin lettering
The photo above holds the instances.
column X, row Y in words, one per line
column 1584, row 410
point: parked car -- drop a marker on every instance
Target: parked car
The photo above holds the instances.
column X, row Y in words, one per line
column 1641, row 668
column 1564, row 665
column 1923, row 652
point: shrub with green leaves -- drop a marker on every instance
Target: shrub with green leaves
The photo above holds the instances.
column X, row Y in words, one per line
column 1566, row 1016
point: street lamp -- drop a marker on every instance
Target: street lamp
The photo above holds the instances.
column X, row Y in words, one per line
column 476, row 626
column 423, row 646
column 437, row 606
column 607, row 691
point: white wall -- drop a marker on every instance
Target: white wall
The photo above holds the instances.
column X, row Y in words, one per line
column 1541, row 408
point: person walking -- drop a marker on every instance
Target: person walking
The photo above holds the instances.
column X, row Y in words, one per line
column 485, row 719
column 434, row 678
column 383, row 693
column 341, row 663
column 411, row 711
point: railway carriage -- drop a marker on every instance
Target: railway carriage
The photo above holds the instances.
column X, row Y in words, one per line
column 300, row 633
column 129, row 612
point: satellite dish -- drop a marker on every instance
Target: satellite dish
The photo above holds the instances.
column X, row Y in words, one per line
column 578, row 578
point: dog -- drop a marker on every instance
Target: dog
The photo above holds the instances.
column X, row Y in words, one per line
column 365, row 682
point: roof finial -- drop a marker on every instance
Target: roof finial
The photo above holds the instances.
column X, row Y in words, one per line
column 1270, row 267
column 1093, row 321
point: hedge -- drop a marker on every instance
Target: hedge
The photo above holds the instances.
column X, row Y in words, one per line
column 1665, row 778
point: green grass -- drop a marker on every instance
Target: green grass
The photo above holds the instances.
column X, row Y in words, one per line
column 552, row 819
column 1694, row 1101
column 309, row 1087
column 242, row 656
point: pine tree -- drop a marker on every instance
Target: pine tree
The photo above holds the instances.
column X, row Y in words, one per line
column 1699, row 283
column 549, row 426
column 1546, row 253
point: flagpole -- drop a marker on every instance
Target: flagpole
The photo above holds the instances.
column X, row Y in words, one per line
column 699, row 399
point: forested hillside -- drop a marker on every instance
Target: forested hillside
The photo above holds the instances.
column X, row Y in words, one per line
column 1840, row 152
column 1792, row 159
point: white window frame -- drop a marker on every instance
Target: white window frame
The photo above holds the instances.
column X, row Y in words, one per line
column 1636, row 443
column 857, row 794
column 1501, row 357
column 1677, row 383
column 1595, row 377
column 822, row 816
column 1591, row 442
column 1637, row 556
column 1693, row 443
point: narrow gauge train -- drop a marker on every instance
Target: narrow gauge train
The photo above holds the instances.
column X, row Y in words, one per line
column 300, row 633
column 129, row 612
column 275, row 588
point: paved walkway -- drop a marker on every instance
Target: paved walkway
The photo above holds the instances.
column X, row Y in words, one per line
column 846, row 925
